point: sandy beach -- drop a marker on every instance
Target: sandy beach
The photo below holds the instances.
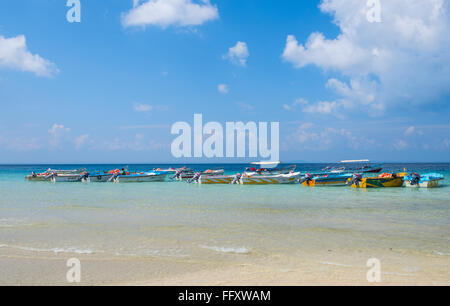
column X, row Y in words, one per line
column 46, row 268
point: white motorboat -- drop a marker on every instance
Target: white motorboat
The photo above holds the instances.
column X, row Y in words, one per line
column 79, row 177
column 47, row 176
column 257, row 179
column 141, row 177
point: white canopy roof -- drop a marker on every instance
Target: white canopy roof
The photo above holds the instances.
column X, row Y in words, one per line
column 355, row 161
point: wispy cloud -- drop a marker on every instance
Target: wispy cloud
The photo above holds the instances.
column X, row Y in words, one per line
column 245, row 106
column 80, row 141
column 57, row 131
column 223, row 88
column 143, row 108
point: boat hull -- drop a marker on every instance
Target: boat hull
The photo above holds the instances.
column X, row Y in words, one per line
column 141, row 178
column 68, row 178
column 379, row 182
column 215, row 180
column 100, row 178
column 39, row 178
column 268, row 180
column 326, row 182
column 425, row 184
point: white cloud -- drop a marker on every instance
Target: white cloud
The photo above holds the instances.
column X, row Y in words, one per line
column 23, row 144
column 137, row 144
column 405, row 59
column 142, row 107
column 245, row 106
column 79, row 141
column 299, row 101
column 165, row 13
column 238, row 54
column 309, row 136
column 57, row 132
column 14, row 54
column 400, row 145
column 410, row 131
column 322, row 107
column 223, row 88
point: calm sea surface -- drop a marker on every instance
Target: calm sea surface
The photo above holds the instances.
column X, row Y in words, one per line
column 176, row 219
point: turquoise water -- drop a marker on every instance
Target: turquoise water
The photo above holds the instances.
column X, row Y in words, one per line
column 179, row 220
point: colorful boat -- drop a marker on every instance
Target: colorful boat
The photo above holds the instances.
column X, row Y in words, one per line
column 141, row 177
column 325, row 180
column 429, row 180
column 383, row 180
column 257, row 179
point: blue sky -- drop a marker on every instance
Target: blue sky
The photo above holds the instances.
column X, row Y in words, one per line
column 109, row 88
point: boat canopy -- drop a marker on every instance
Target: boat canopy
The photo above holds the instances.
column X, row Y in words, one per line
column 268, row 164
column 355, row 161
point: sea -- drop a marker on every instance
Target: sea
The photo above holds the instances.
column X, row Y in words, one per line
column 220, row 223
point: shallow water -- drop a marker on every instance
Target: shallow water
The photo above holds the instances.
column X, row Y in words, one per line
column 222, row 222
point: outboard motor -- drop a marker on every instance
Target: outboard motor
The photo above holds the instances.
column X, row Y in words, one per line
column 50, row 176
column 415, row 178
column 356, row 179
column 307, row 178
column 236, row 179
column 195, row 178
column 84, row 177
column 113, row 177
column 177, row 175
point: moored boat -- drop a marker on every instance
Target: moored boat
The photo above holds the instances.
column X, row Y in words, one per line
column 257, row 179
column 47, row 176
column 188, row 174
column 429, row 180
column 39, row 177
column 360, row 166
column 70, row 178
column 325, row 180
column 383, row 180
column 141, row 177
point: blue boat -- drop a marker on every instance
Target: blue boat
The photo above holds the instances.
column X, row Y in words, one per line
column 429, row 180
column 329, row 179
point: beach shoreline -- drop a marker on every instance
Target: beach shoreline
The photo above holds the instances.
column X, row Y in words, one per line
column 21, row 267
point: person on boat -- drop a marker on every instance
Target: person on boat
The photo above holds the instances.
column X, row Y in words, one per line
column 124, row 172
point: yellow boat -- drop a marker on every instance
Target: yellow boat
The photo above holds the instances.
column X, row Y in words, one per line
column 383, row 180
